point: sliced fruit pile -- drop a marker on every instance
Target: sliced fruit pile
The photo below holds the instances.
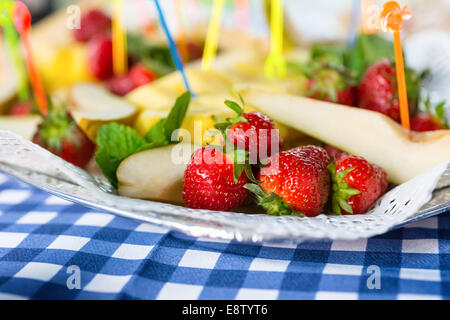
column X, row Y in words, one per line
column 365, row 77
column 294, row 182
column 247, row 159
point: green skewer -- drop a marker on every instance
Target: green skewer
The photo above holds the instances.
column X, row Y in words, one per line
column 14, row 49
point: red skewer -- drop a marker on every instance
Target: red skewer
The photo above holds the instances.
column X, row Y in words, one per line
column 22, row 22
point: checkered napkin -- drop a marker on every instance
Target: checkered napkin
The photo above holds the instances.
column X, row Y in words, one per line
column 53, row 249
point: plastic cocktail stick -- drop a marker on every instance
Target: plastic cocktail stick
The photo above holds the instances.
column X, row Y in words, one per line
column 22, row 21
column 391, row 20
column 172, row 47
column 14, row 50
column 212, row 37
column 275, row 65
column 243, row 13
column 354, row 23
column 120, row 58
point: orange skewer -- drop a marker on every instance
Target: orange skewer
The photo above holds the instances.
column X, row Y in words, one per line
column 391, row 20
column 22, row 22
column 401, row 81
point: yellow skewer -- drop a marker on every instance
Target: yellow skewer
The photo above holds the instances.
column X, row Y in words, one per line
column 212, row 37
column 275, row 64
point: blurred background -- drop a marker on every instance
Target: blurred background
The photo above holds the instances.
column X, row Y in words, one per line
column 312, row 20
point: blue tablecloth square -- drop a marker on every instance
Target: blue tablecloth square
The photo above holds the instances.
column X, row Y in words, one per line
column 42, row 238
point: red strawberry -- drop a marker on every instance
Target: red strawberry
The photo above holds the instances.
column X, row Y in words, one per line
column 378, row 90
column 93, row 23
column 434, row 118
column 425, row 122
column 332, row 85
column 295, row 182
column 101, row 57
column 253, row 132
column 209, row 182
column 140, row 76
column 59, row 134
column 335, row 153
column 121, row 85
column 22, row 108
column 357, row 184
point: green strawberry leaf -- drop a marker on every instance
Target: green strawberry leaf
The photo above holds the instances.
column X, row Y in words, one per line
column 340, row 191
column 271, row 202
column 255, row 189
column 438, row 112
column 235, row 107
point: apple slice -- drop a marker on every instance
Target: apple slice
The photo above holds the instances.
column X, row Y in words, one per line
column 155, row 174
column 25, row 126
column 369, row 134
column 92, row 106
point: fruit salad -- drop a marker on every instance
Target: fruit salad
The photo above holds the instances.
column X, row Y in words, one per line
column 324, row 139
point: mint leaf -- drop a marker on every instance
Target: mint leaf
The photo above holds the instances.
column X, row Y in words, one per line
column 157, row 133
column 161, row 133
column 116, row 142
column 177, row 114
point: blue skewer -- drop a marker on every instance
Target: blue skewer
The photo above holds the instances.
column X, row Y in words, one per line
column 354, row 23
column 173, row 47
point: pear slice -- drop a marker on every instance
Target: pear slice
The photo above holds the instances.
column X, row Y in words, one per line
column 155, row 174
column 24, row 126
column 403, row 154
column 92, row 106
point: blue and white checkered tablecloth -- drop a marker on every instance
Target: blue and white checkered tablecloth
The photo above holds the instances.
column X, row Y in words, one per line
column 53, row 249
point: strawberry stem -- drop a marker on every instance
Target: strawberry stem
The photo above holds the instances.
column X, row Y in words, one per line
column 341, row 192
column 272, row 203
